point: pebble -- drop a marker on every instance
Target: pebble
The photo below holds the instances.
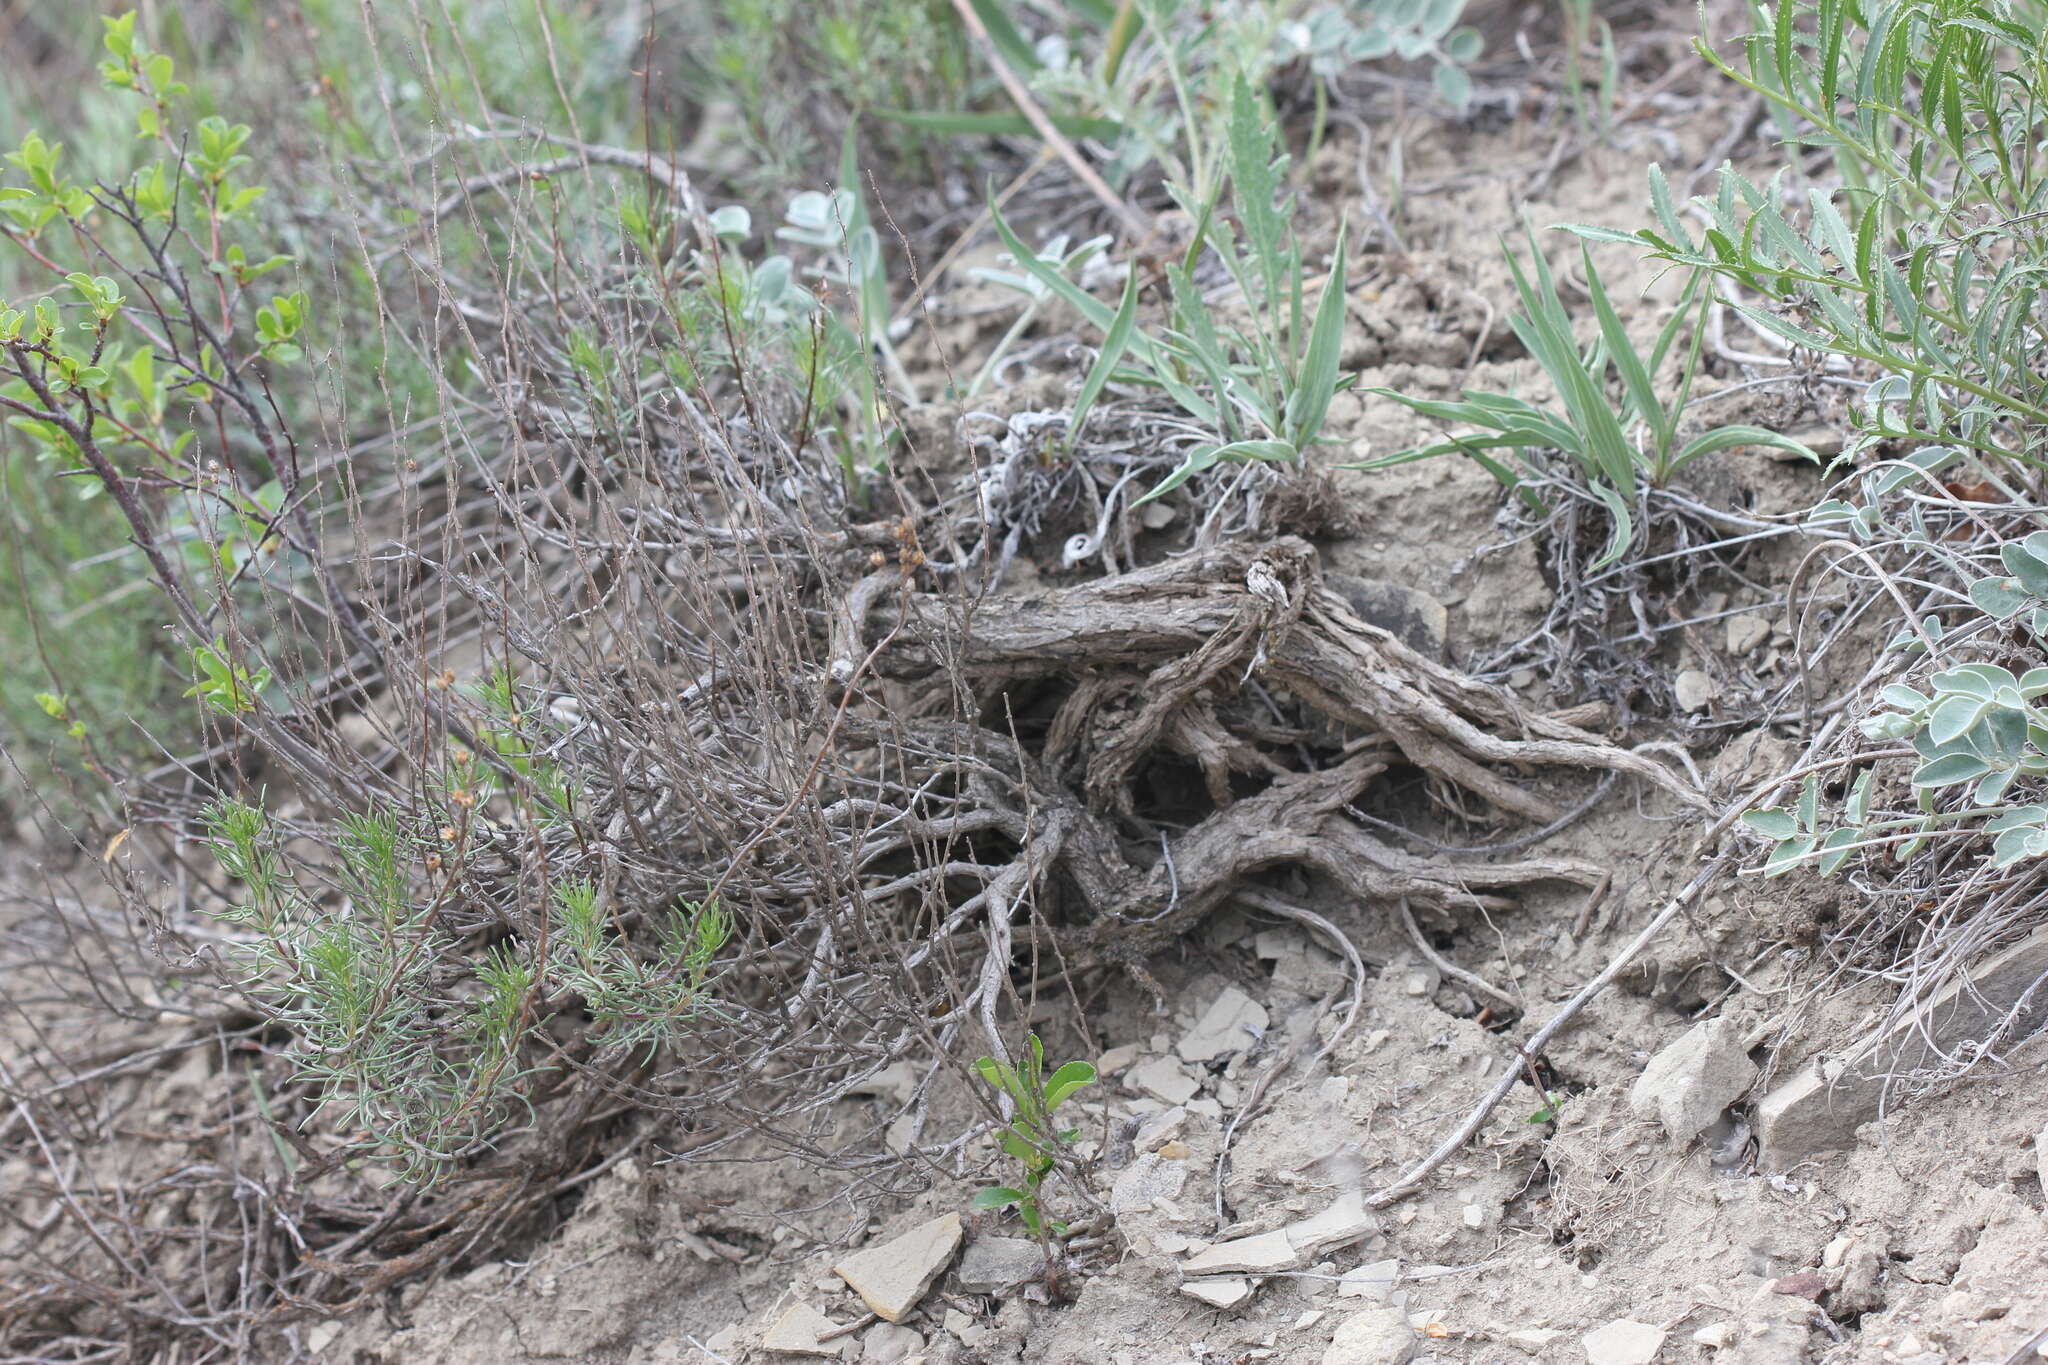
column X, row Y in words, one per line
column 1623, row 1342
column 1162, row 1128
column 1378, row 1336
column 1717, row 1336
column 886, row 1344
column 1694, row 690
column 1232, row 1023
column 1163, row 1079
column 1746, row 633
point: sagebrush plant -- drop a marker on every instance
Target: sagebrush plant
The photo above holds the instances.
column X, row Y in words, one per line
column 427, row 1064
column 1619, row 434
column 1924, row 268
column 1259, row 376
column 1151, row 80
column 1032, row 1136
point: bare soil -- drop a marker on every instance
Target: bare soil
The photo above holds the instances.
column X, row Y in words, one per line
column 1927, row 1241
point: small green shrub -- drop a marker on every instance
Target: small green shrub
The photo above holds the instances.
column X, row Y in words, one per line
column 1925, row 269
column 1032, row 1136
column 1616, row 444
column 1260, row 378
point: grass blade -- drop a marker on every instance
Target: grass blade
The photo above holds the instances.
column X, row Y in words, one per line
column 1114, row 342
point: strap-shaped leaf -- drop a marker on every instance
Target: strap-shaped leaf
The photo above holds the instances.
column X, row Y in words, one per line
column 1114, row 342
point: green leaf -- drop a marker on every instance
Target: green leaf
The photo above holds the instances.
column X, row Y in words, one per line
column 1787, row 855
column 2000, row 598
column 1953, row 718
column 963, row 124
column 1728, row 437
column 998, row 1197
column 1624, row 525
column 1003, row 33
column 1453, row 85
column 1065, row 1081
column 1950, row 769
column 1309, row 403
column 1114, row 342
column 2022, row 564
column 1835, row 850
column 1775, row 823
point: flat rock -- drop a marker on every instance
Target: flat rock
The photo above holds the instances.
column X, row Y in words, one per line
column 1378, row 1336
column 1261, row 1255
column 992, row 1264
column 1688, row 1085
column 1164, row 1080
column 885, row 1343
column 1151, row 1177
column 1533, row 1338
column 796, row 1333
column 1219, row 1291
column 1232, row 1023
column 1344, row 1222
column 1623, row 1342
column 1822, row 1104
column 892, row 1277
column 1412, row 616
column 1375, row 1281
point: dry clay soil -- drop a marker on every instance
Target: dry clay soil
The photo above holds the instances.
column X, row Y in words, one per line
column 1926, row 1240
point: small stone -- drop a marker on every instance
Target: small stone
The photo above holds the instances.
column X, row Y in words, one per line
column 1163, row 1079
column 1308, row 1319
column 1475, row 1217
column 1375, row 1281
column 1157, row 516
column 1420, row 621
column 1232, row 1023
column 887, row 1344
column 1161, row 1129
column 892, row 1277
column 1116, row 1059
column 1148, row 1179
column 991, row 1265
column 1623, row 1342
column 1532, row 1338
column 1803, row 1284
column 1344, row 1222
column 1717, row 1336
column 1207, row 1108
column 1834, row 1253
column 1694, row 690
column 1746, row 633
column 322, row 1336
column 1264, row 1254
column 1176, row 1150
column 1689, row 1084
column 1220, row 1291
column 796, row 1333
column 958, row 1323
column 1378, row 1336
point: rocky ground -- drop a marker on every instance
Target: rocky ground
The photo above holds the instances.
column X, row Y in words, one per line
column 1698, row 1174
